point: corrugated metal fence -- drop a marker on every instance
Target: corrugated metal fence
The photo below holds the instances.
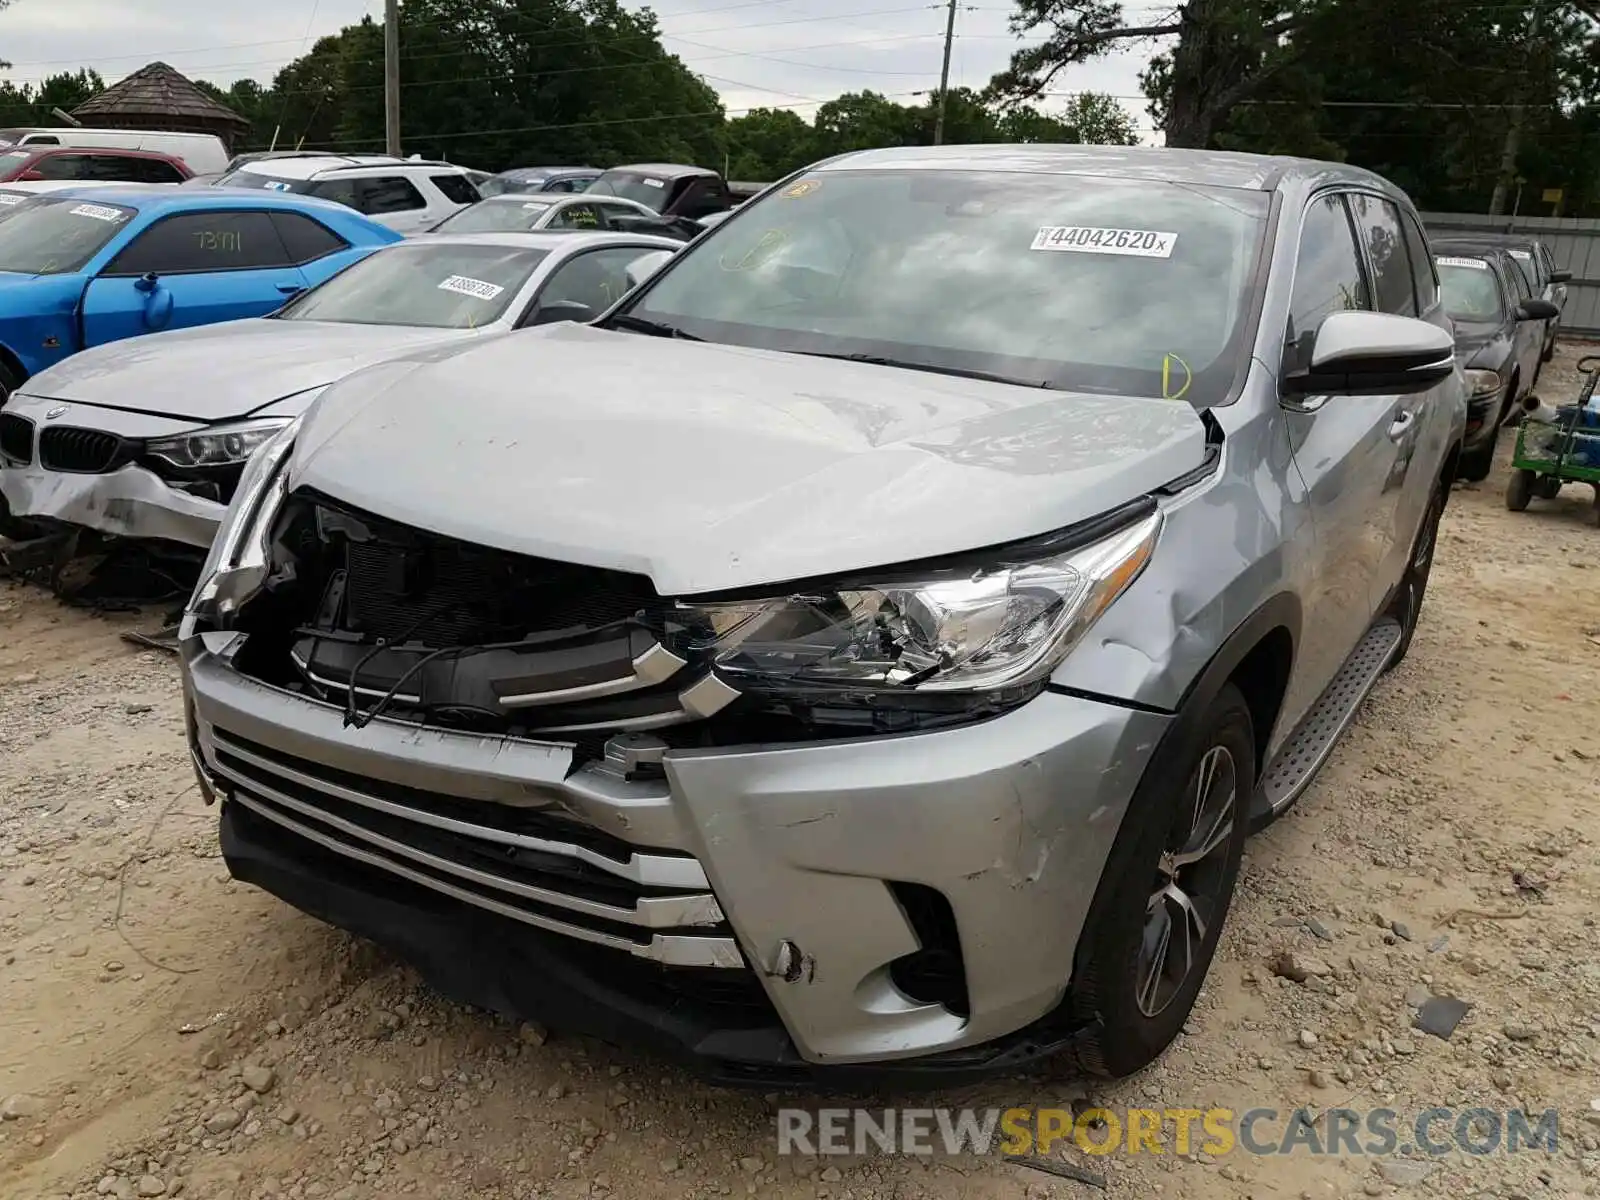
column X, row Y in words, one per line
column 1574, row 243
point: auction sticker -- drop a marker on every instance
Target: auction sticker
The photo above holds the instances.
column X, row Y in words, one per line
column 1089, row 239
column 476, row 288
column 1472, row 264
column 655, row 183
column 10, row 198
column 98, row 211
column 804, row 188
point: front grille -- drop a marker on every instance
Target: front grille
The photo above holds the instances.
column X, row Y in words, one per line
column 81, row 451
column 546, row 871
column 16, row 439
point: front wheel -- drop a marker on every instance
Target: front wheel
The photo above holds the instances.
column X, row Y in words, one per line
column 1476, row 464
column 1153, row 928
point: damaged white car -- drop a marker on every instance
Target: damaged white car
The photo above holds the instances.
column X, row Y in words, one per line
column 146, row 437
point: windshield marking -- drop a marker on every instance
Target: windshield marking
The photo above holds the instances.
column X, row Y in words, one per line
column 1089, row 239
column 11, row 198
column 1474, row 264
column 478, row 289
column 99, row 212
column 655, row 183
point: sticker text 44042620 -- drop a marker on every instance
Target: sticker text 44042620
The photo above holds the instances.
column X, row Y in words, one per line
column 1089, row 239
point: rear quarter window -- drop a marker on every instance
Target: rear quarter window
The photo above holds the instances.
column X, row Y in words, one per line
column 306, row 239
column 457, row 189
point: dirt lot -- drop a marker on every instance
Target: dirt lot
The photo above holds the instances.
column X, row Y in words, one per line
column 164, row 1031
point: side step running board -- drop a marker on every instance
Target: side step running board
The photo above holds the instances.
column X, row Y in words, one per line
column 1309, row 746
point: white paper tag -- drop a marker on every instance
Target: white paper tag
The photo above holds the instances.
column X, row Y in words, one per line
column 535, row 206
column 277, row 185
column 1474, row 264
column 1521, row 256
column 654, row 183
column 476, row 288
column 98, row 211
column 9, row 198
column 1089, row 239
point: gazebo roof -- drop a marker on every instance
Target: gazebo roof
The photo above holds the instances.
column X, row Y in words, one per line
column 158, row 94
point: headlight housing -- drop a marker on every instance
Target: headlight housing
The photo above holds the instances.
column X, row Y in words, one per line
column 942, row 631
column 219, row 446
column 237, row 565
column 1482, row 383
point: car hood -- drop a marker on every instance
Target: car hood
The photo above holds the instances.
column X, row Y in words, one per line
column 709, row 467
column 220, row 372
column 1478, row 341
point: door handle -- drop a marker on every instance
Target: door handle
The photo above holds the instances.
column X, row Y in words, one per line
column 289, row 289
column 1403, row 420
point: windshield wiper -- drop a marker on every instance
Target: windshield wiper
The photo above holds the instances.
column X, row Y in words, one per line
column 879, row 360
column 653, row 328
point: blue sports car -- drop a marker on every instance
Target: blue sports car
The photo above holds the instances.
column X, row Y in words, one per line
column 84, row 266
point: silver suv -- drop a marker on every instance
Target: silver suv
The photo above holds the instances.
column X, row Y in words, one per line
column 866, row 647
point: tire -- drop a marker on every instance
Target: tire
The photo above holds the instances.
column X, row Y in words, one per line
column 1476, row 464
column 1407, row 604
column 1131, row 1012
column 1548, row 487
column 1520, row 490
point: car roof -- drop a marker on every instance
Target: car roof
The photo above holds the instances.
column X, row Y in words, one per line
column 1502, row 240
column 665, row 170
column 545, row 172
column 158, row 198
column 1217, row 168
column 307, row 165
column 40, row 151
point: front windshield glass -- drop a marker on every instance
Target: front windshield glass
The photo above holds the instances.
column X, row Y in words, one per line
column 245, row 177
column 1110, row 285
column 508, row 215
column 1468, row 290
column 432, row 286
column 48, row 236
column 649, row 190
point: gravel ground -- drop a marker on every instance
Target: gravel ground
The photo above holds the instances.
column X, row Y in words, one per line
column 165, row 1031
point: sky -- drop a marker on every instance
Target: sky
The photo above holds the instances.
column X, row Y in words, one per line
column 756, row 53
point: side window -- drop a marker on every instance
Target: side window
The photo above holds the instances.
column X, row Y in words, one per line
column 63, row 166
column 41, row 139
column 1327, row 276
column 596, row 280
column 340, row 191
column 305, row 239
column 387, row 194
column 1424, row 277
column 155, row 170
column 457, row 189
column 612, row 211
column 1378, row 222
column 576, row 216
column 198, row 242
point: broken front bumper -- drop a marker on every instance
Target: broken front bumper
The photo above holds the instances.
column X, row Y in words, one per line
column 762, row 909
column 129, row 501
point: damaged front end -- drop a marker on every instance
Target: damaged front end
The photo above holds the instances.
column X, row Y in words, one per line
column 691, row 822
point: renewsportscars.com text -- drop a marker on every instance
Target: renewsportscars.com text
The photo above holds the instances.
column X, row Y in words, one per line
column 1180, row 1131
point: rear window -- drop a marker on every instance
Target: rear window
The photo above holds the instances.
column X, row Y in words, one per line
column 651, row 190
column 500, row 215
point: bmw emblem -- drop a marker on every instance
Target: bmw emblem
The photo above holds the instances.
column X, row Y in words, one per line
column 59, row 410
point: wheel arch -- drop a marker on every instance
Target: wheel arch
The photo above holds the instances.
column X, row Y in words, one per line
column 12, row 365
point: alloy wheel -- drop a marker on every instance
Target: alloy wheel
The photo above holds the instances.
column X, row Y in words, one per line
column 1192, row 871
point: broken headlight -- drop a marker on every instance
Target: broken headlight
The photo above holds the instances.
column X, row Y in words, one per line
column 1001, row 627
column 237, row 565
column 220, row 446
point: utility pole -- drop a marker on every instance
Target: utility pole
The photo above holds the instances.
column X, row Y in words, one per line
column 944, row 75
column 391, row 77
column 1519, row 117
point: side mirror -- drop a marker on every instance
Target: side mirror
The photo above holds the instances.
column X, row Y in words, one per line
column 646, row 265
column 557, row 311
column 1368, row 353
column 1537, row 310
column 1560, row 276
column 147, row 282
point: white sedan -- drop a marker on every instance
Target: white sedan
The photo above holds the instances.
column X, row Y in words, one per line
column 146, row 437
column 513, row 213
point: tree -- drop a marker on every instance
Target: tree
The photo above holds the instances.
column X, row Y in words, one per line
column 1099, row 120
column 1222, row 52
column 768, row 143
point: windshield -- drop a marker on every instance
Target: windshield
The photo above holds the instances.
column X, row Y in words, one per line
column 432, row 286
column 1124, row 286
column 649, row 190
column 53, row 237
column 1468, row 290
column 245, row 177
column 495, row 216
